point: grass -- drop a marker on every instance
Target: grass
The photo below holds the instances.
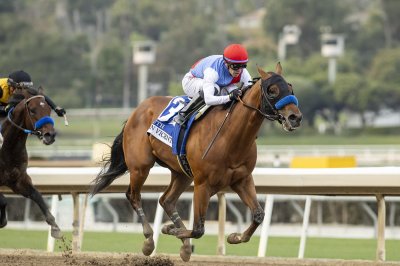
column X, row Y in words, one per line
column 277, row 246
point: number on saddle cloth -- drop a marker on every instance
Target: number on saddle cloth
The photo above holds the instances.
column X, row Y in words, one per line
column 173, row 108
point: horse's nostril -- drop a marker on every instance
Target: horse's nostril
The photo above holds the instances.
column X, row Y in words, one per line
column 49, row 137
column 295, row 119
column 292, row 117
column 299, row 118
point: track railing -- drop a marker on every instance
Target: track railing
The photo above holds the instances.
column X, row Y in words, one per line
column 368, row 181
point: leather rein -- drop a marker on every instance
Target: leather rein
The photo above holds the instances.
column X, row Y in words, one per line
column 272, row 117
column 42, row 121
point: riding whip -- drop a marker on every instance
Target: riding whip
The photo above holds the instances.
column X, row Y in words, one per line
column 223, row 122
column 65, row 120
column 219, row 129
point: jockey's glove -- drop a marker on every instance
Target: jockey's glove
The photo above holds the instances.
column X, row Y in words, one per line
column 233, row 95
column 60, row 111
column 8, row 108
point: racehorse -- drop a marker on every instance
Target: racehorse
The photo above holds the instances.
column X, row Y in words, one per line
column 31, row 115
column 229, row 162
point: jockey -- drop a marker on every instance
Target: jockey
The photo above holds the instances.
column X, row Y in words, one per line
column 19, row 79
column 215, row 77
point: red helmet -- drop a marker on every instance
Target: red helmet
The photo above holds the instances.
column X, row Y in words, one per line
column 235, row 54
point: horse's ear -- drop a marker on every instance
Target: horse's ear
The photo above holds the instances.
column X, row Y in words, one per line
column 40, row 90
column 278, row 68
column 263, row 74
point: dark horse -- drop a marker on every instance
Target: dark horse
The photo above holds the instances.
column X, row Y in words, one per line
column 31, row 115
column 229, row 162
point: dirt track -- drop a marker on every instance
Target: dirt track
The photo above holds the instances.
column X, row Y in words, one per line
column 41, row 258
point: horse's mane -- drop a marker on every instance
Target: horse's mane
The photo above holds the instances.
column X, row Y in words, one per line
column 252, row 82
column 20, row 94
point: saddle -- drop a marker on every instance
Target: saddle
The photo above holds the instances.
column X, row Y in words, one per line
column 181, row 133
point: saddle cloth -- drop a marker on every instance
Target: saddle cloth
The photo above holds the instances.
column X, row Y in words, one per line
column 165, row 129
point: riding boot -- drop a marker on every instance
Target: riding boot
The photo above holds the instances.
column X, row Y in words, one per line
column 186, row 111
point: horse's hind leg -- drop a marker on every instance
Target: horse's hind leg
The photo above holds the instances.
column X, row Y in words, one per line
column 3, row 216
column 168, row 200
column 137, row 178
column 27, row 190
column 247, row 192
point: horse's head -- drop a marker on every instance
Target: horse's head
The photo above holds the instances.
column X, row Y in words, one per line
column 31, row 114
column 278, row 99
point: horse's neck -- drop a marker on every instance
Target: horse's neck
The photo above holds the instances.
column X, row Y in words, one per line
column 14, row 144
column 247, row 121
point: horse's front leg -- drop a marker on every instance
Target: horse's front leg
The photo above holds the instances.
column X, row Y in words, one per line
column 27, row 190
column 3, row 216
column 201, row 199
column 247, row 192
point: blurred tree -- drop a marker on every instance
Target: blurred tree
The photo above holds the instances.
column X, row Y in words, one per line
column 81, row 51
column 311, row 16
column 384, row 79
column 391, row 22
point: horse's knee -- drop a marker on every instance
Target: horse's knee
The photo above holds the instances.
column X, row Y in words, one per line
column 258, row 216
column 162, row 202
column 166, row 204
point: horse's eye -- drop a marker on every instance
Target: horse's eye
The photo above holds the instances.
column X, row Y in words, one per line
column 32, row 111
column 273, row 91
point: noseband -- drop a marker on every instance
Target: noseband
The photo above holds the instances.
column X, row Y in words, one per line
column 269, row 104
column 40, row 123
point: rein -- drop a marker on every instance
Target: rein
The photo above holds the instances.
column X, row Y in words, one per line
column 271, row 117
column 40, row 123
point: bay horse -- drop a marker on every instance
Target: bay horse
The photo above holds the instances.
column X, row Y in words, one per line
column 31, row 115
column 229, row 162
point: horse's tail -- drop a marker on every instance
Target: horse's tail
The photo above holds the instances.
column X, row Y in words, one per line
column 114, row 166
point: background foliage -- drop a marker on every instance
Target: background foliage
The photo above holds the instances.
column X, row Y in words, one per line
column 81, row 51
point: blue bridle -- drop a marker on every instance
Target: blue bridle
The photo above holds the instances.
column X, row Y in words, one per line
column 285, row 101
column 39, row 124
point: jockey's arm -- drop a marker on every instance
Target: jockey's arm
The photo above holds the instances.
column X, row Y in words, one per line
column 210, row 87
column 59, row 110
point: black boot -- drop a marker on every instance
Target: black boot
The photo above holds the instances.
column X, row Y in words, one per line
column 186, row 111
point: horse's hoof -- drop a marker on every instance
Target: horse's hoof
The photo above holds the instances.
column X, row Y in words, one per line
column 56, row 233
column 148, row 246
column 182, row 233
column 186, row 251
column 234, row 238
column 166, row 229
column 3, row 223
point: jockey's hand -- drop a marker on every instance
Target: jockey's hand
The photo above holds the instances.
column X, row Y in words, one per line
column 60, row 111
column 235, row 94
column 8, row 108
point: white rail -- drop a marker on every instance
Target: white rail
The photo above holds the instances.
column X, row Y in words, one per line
column 369, row 181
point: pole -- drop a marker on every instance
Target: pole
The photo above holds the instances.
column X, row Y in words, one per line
column 380, row 249
column 142, row 93
column 332, row 70
column 221, row 223
column 262, row 246
column 281, row 48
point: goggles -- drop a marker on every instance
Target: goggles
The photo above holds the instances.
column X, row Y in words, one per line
column 237, row 66
column 19, row 84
